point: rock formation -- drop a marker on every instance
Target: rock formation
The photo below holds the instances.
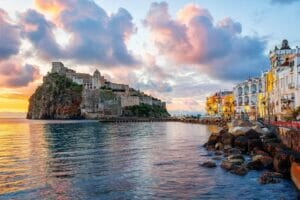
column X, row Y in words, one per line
column 57, row 98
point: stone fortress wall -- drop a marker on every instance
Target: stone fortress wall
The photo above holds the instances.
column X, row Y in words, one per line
column 102, row 98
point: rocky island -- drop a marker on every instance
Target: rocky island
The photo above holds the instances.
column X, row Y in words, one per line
column 66, row 94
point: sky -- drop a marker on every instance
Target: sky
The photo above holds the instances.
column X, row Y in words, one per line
column 179, row 51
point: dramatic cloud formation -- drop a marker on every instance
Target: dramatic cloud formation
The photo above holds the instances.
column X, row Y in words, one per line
column 96, row 37
column 13, row 74
column 39, row 31
column 218, row 49
column 284, row 1
column 9, row 37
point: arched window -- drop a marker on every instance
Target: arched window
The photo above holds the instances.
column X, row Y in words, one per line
column 240, row 91
column 240, row 101
column 260, row 86
column 246, row 100
column 253, row 100
column 253, row 88
column 246, row 90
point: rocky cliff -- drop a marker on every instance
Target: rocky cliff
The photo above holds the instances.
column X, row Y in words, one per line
column 57, row 98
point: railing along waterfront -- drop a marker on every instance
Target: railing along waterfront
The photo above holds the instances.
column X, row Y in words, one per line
column 291, row 124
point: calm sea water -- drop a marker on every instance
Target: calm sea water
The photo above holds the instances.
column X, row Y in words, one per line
column 90, row 160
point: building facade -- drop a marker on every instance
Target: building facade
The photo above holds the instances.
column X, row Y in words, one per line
column 284, row 94
column 246, row 97
column 221, row 104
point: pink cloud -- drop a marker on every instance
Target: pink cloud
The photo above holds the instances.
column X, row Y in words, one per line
column 218, row 49
column 9, row 37
column 13, row 74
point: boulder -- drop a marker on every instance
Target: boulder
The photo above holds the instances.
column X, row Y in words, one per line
column 234, row 151
column 213, row 139
column 243, row 123
column 241, row 142
column 266, row 131
column 266, row 161
column 209, row 164
column 235, row 156
column 227, row 147
column 227, row 165
column 238, row 130
column 217, row 158
column 270, row 177
column 252, row 134
column 272, row 148
column 236, row 161
column 240, row 170
column 259, row 152
column 281, row 162
column 219, row 146
column 255, row 165
column 227, row 139
column 254, row 144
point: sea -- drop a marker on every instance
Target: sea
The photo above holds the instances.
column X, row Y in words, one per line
column 93, row 160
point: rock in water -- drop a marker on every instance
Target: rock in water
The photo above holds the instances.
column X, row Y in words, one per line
column 252, row 134
column 209, row 164
column 241, row 142
column 227, row 165
column 57, row 98
column 239, row 170
column 238, row 130
column 270, row 177
column 281, row 162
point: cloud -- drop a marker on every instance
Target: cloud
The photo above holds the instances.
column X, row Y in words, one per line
column 217, row 49
column 13, row 74
column 284, row 1
column 96, row 37
column 39, row 31
column 9, row 37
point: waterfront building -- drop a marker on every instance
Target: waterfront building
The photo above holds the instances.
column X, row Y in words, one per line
column 220, row 104
column 246, row 96
column 283, row 95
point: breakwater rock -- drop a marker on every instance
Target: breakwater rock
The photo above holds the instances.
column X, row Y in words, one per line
column 220, row 122
column 253, row 146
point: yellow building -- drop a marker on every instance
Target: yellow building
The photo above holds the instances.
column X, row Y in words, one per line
column 220, row 104
column 212, row 105
column 227, row 106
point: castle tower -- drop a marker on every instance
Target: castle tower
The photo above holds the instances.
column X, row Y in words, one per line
column 96, row 79
column 58, row 67
column 285, row 45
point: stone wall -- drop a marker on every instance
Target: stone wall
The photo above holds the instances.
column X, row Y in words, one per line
column 290, row 138
column 99, row 103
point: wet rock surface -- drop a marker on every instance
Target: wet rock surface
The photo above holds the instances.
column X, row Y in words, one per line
column 209, row 164
column 270, row 177
column 263, row 150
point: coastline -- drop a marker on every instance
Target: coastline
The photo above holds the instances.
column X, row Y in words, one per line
column 243, row 146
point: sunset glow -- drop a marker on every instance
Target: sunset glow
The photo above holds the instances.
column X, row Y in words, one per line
column 178, row 51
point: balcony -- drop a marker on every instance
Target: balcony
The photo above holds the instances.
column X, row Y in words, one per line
column 291, row 85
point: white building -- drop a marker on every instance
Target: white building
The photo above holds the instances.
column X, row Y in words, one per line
column 285, row 64
column 246, row 96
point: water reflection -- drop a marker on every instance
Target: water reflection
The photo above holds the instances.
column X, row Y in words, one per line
column 41, row 160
